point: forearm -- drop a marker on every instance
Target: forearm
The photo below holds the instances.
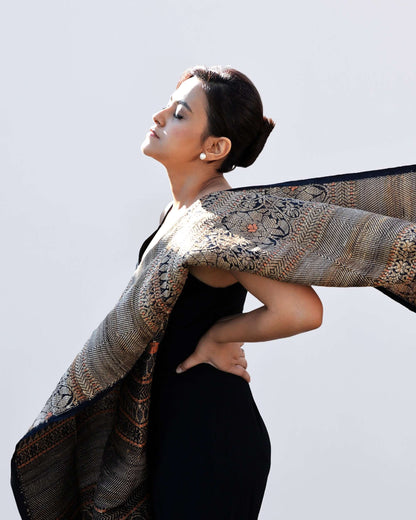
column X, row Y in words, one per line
column 290, row 310
column 262, row 324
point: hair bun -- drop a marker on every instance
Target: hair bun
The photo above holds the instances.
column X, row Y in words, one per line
column 252, row 151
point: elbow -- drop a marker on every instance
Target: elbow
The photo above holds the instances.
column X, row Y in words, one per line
column 309, row 315
column 316, row 321
column 302, row 313
column 314, row 316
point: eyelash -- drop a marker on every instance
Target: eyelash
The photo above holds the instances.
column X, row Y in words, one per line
column 174, row 115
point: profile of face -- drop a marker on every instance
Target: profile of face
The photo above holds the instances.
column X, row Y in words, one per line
column 176, row 137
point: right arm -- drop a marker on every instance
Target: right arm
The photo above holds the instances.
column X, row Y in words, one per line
column 288, row 309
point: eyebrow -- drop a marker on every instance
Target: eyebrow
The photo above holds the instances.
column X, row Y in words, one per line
column 184, row 103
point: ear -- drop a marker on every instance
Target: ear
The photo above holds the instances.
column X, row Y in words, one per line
column 217, row 148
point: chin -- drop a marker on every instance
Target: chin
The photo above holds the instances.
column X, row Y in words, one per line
column 144, row 147
column 146, row 151
column 149, row 152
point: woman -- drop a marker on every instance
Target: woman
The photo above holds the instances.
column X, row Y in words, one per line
column 213, row 122
column 121, row 417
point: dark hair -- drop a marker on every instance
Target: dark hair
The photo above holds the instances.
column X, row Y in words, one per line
column 235, row 110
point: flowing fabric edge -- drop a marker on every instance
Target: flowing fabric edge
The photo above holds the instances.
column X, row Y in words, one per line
column 366, row 174
column 397, row 298
column 14, row 477
column 17, row 490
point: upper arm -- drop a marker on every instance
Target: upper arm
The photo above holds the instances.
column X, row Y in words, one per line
column 290, row 300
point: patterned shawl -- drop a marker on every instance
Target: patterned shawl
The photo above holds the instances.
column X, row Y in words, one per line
column 85, row 455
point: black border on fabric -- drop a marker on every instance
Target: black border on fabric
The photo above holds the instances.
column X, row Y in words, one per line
column 17, row 491
column 14, row 478
column 397, row 298
column 333, row 178
column 72, row 411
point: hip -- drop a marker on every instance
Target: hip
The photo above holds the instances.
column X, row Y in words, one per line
column 206, row 398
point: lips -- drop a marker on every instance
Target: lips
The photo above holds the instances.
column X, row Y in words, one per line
column 153, row 133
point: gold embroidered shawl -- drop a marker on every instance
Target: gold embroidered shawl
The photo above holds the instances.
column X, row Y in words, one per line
column 85, row 455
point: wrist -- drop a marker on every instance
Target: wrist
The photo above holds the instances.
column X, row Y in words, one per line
column 213, row 333
column 225, row 329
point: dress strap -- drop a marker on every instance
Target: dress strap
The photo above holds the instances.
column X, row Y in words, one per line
column 168, row 207
column 149, row 239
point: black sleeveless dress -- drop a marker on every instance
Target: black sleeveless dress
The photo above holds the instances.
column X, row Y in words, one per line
column 208, row 447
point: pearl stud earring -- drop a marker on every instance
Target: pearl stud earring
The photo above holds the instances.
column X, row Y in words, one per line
column 202, row 156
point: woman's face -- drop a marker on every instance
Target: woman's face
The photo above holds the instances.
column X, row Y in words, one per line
column 175, row 138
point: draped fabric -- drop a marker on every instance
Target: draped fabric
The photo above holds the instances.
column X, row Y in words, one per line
column 85, row 454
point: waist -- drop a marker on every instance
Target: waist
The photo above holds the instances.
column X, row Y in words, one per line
column 202, row 375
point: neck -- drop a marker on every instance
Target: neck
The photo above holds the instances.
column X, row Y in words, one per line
column 189, row 186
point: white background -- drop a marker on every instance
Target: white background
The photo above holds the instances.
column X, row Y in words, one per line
column 80, row 82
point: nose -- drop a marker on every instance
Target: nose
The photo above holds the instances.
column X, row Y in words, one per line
column 158, row 118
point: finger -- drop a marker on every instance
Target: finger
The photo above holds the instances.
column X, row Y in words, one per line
column 238, row 370
column 239, row 361
column 188, row 363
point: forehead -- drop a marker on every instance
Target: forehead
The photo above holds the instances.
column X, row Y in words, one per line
column 192, row 92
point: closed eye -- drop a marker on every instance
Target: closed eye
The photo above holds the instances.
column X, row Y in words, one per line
column 174, row 115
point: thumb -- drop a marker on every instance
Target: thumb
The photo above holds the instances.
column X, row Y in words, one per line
column 189, row 362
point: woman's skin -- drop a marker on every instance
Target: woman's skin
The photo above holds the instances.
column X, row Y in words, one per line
column 288, row 309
